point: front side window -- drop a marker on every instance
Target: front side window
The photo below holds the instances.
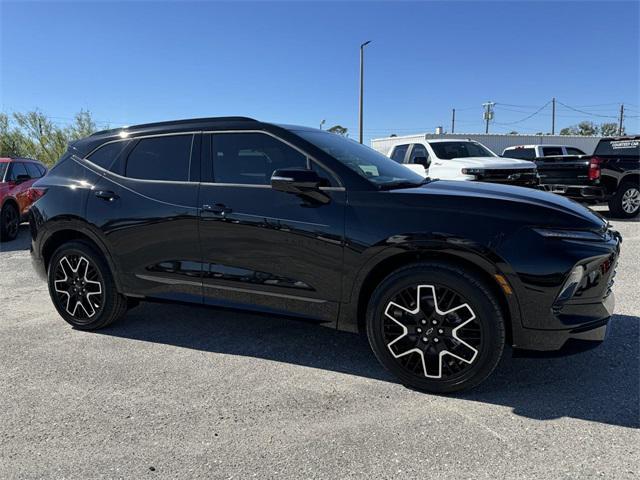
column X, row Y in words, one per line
column 366, row 162
column 3, row 170
column 450, row 150
column 106, row 155
column 160, row 158
column 399, row 152
column 251, row 158
column 419, row 152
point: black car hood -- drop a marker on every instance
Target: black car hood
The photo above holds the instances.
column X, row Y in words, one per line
column 527, row 197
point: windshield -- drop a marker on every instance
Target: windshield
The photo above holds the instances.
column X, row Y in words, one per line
column 366, row 162
column 449, row 150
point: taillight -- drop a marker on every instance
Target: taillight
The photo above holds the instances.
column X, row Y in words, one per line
column 594, row 168
column 34, row 193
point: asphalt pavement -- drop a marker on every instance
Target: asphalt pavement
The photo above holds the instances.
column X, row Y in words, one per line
column 178, row 391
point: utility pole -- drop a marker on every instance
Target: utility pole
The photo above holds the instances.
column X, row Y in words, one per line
column 488, row 114
column 553, row 116
column 621, row 119
column 361, row 85
column 453, row 121
column 321, row 123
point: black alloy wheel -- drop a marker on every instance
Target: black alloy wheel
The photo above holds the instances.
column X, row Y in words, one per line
column 9, row 222
column 437, row 327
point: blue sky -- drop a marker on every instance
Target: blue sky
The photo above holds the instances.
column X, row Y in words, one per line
column 297, row 62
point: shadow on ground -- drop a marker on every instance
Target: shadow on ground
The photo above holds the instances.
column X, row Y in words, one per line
column 600, row 385
column 22, row 241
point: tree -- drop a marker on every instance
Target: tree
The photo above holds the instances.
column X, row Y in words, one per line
column 33, row 134
column 338, row 129
column 513, row 132
column 584, row 128
column 610, row 129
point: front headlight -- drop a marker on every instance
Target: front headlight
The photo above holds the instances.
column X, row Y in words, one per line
column 568, row 234
column 473, row 171
column 571, row 284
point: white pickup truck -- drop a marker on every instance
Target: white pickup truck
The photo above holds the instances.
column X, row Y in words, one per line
column 450, row 159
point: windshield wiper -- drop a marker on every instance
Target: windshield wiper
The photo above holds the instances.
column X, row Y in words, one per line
column 405, row 184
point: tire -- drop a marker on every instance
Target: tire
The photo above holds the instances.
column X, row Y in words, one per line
column 9, row 222
column 82, row 288
column 626, row 201
column 429, row 351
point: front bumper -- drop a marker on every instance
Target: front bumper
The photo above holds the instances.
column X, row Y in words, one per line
column 549, row 340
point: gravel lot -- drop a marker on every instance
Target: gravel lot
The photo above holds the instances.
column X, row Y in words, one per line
column 188, row 392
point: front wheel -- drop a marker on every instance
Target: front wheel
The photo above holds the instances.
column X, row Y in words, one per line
column 82, row 288
column 626, row 201
column 436, row 327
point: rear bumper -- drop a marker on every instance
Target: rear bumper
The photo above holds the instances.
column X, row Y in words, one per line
column 577, row 192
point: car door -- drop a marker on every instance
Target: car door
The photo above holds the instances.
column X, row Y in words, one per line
column 265, row 248
column 21, row 180
column 145, row 204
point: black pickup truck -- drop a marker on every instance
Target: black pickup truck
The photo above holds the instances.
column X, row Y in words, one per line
column 611, row 174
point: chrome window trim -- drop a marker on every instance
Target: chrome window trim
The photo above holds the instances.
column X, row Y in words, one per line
column 251, row 185
column 289, row 144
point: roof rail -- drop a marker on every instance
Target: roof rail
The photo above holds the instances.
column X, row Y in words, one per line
column 179, row 122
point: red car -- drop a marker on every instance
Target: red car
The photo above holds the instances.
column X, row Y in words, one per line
column 16, row 177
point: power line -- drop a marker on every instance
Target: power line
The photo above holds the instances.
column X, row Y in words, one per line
column 528, row 116
column 585, row 112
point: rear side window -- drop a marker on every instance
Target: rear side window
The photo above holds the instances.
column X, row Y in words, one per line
column 399, row 152
column 574, row 151
column 251, row 158
column 33, row 170
column 620, row 148
column 520, row 153
column 106, row 155
column 17, row 169
column 551, row 151
column 161, row 158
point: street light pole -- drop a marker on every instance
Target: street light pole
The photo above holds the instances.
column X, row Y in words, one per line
column 361, row 86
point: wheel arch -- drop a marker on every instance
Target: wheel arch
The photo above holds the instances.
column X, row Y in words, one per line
column 13, row 201
column 482, row 267
column 74, row 230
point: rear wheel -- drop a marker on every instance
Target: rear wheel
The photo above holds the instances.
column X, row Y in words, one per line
column 82, row 287
column 9, row 222
column 436, row 327
column 626, row 201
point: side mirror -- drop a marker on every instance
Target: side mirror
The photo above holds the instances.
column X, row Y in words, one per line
column 22, row 178
column 299, row 182
column 424, row 161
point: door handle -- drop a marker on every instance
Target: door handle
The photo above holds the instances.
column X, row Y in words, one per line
column 217, row 208
column 106, row 195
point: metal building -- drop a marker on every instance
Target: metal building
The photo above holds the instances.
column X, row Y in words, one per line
column 495, row 142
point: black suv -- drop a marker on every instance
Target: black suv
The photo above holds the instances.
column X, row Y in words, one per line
column 291, row 220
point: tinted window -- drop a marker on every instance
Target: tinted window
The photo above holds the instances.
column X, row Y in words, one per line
column 521, row 153
column 366, row 162
column 32, row 170
column 3, row 169
column 574, row 151
column 399, row 152
column 449, row 150
column 620, row 148
column 41, row 168
column 106, row 155
column 418, row 151
column 17, row 169
column 551, row 151
column 251, row 158
column 160, row 158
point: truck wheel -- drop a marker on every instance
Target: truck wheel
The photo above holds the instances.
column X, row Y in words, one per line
column 82, row 288
column 626, row 202
column 9, row 222
column 436, row 327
